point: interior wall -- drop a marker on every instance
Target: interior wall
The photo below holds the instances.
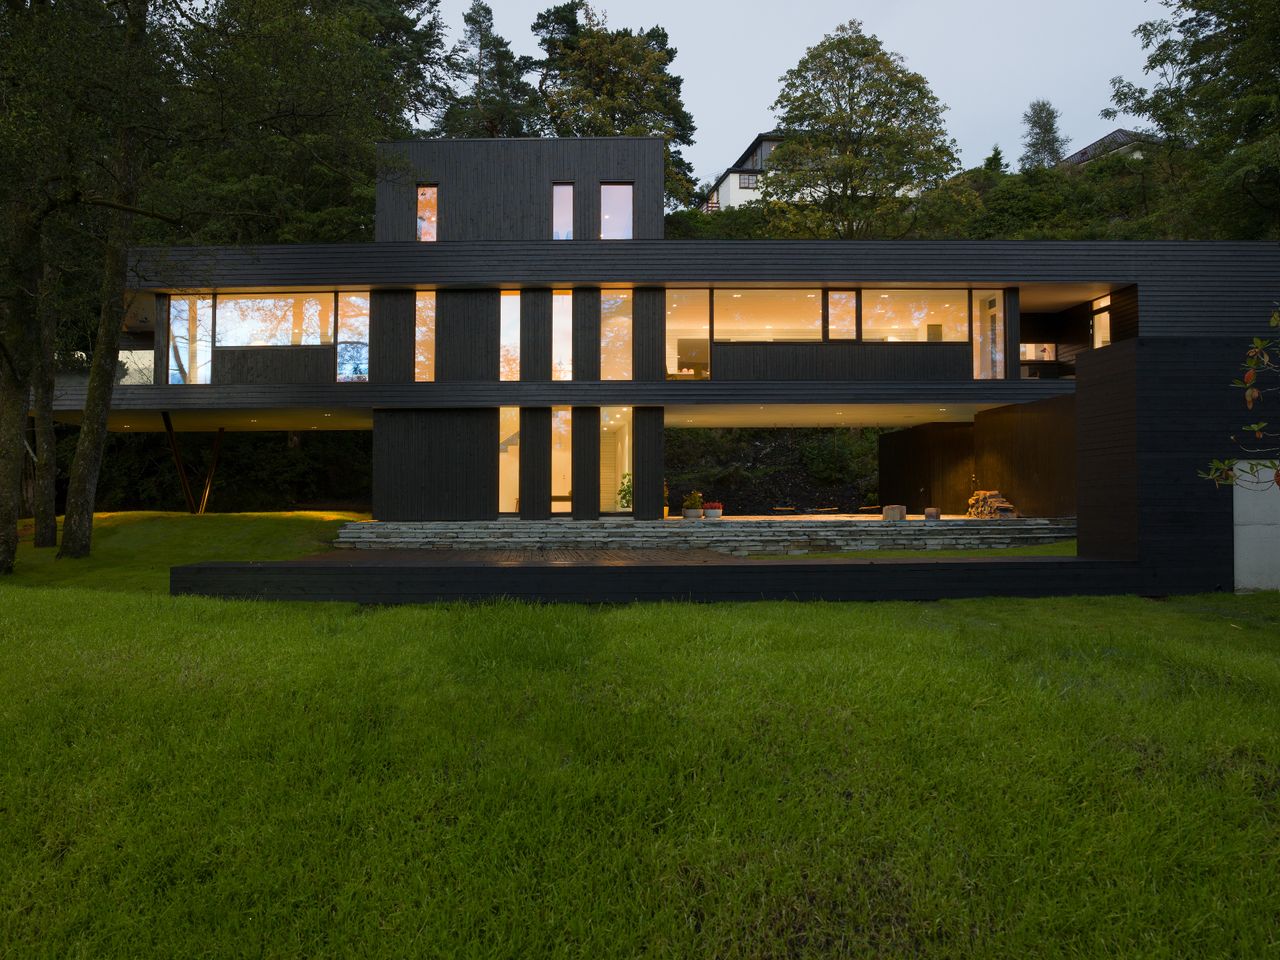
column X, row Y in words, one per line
column 928, row 466
column 1027, row 451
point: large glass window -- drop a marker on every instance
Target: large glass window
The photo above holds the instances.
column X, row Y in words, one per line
column 509, row 336
column 353, row 337
column 274, row 319
column 562, row 211
column 562, row 335
column 615, row 335
column 988, row 335
column 190, row 339
column 615, row 460
column 615, row 211
column 424, row 337
column 772, row 316
column 688, row 334
column 1101, row 322
column 842, row 315
column 508, row 459
column 561, row 459
column 915, row 316
column 428, row 211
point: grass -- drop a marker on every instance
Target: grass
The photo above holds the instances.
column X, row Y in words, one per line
column 1059, row 548
column 1008, row 778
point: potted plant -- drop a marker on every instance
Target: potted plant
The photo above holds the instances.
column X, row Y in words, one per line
column 625, row 492
column 713, row 510
column 692, row 505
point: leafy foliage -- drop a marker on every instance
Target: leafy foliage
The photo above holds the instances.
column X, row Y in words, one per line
column 497, row 100
column 1043, row 144
column 1259, row 442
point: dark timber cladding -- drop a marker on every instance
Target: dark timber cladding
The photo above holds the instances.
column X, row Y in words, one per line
column 647, row 444
column 928, row 466
column 586, row 333
column 1028, row 453
column 487, row 193
column 649, row 334
column 535, row 335
column 1106, row 424
column 467, row 335
column 836, row 360
column 391, row 326
column 435, row 464
column 585, row 463
column 535, row 463
column 250, row 365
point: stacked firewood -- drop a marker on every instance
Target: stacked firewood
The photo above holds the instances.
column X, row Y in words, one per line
column 990, row 505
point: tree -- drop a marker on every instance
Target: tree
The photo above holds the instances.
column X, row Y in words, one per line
column 1259, row 469
column 863, row 137
column 995, row 163
column 1044, row 145
column 497, row 101
column 598, row 82
column 1215, row 110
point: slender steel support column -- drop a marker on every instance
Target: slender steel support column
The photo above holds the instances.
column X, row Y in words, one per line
column 177, row 462
column 213, row 465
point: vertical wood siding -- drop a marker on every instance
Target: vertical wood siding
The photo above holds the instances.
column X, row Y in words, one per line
column 649, row 334
column 1027, row 451
column 928, row 466
column 535, row 463
column 648, row 465
column 435, row 464
column 246, row 366
column 586, row 463
column 535, row 334
column 391, row 323
column 586, row 333
column 467, row 335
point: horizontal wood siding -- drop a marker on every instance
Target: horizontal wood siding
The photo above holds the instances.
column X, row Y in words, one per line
column 391, row 333
column 841, row 361
column 1028, row 453
column 239, row 366
column 467, row 335
column 535, row 463
column 928, row 466
column 1124, row 313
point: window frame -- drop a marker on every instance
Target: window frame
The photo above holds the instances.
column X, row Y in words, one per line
column 748, row 181
column 573, row 201
column 631, row 227
column 417, row 190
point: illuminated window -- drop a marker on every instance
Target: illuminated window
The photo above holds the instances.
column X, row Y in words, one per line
column 561, row 459
column 915, row 316
column 615, row 211
column 424, row 337
column 274, row 319
column 615, row 335
column 508, row 459
column 562, row 335
column 842, row 315
column 353, row 337
column 615, row 460
column 562, row 211
column 988, row 335
column 1101, row 322
column 190, row 339
column 428, row 212
column 509, row 333
column 1031, row 352
column 688, row 334
column 771, row 316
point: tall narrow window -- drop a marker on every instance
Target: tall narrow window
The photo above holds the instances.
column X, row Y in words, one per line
column 1101, row 322
column 615, row 211
column 353, row 337
column 424, row 337
column 190, row 339
column 688, row 334
column 615, row 460
column 428, row 211
column 561, row 459
column 509, row 332
column 562, row 211
column 988, row 335
column 842, row 315
column 562, row 335
column 508, row 459
column 615, row 335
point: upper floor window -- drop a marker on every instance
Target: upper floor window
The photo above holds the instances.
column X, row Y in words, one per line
column 842, row 315
column 747, row 181
column 424, row 337
column 615, row 211
column 509, row 336
column 274, row 319
column 615, row 335
column 190, row 339
column 1101, row 322
column 688, row 334
column 765, row 316
column 562, row 211
column 915, row 316
column 353, row 337
column 428, row 211
column 988, row 335
column 562, row 335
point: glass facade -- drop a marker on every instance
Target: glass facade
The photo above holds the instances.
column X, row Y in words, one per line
column 509, row 460
column 988, row 335
column 424, row 337
column 688, row 334
column 562, row 211
column 915, row 316
column 615, row 211
column 615, row 460
column 768, row 316
column 561, row 459
column 428, row 211
column 562, row 335
column 136, row 367
column 1101, row 322
column 190, row 339
column 509, row 336
column 842, row 315
column 353, row 338
column 615, row 334
column 274, row 320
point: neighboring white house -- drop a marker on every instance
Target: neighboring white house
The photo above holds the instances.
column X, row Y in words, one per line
column 1118, row 142
column 741, row 182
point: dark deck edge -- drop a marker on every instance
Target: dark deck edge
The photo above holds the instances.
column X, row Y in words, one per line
column 425, row 582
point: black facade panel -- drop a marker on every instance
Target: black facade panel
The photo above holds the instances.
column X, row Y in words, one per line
column 391, row 333
column 841, row 360
column 160, row 359
column 535, row 463
column 1028, row 453
column 467, row 335
column 586, row 333
column 928, row 466
column 244, row 366
column 535, row 335
column 649, row 467
column 1012, row 332
column 649, row 334
column 586, row 463
column 1124, row 313
column 1106, row 445
column 435, row 464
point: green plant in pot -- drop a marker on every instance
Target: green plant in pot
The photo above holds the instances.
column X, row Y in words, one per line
column 692, row 505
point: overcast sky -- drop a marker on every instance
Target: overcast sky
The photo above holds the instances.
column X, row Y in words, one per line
column 985, row 59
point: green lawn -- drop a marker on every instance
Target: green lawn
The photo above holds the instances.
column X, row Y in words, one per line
column 1011, row 778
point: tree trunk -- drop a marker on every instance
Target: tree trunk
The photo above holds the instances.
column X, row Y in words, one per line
column 45, row 507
